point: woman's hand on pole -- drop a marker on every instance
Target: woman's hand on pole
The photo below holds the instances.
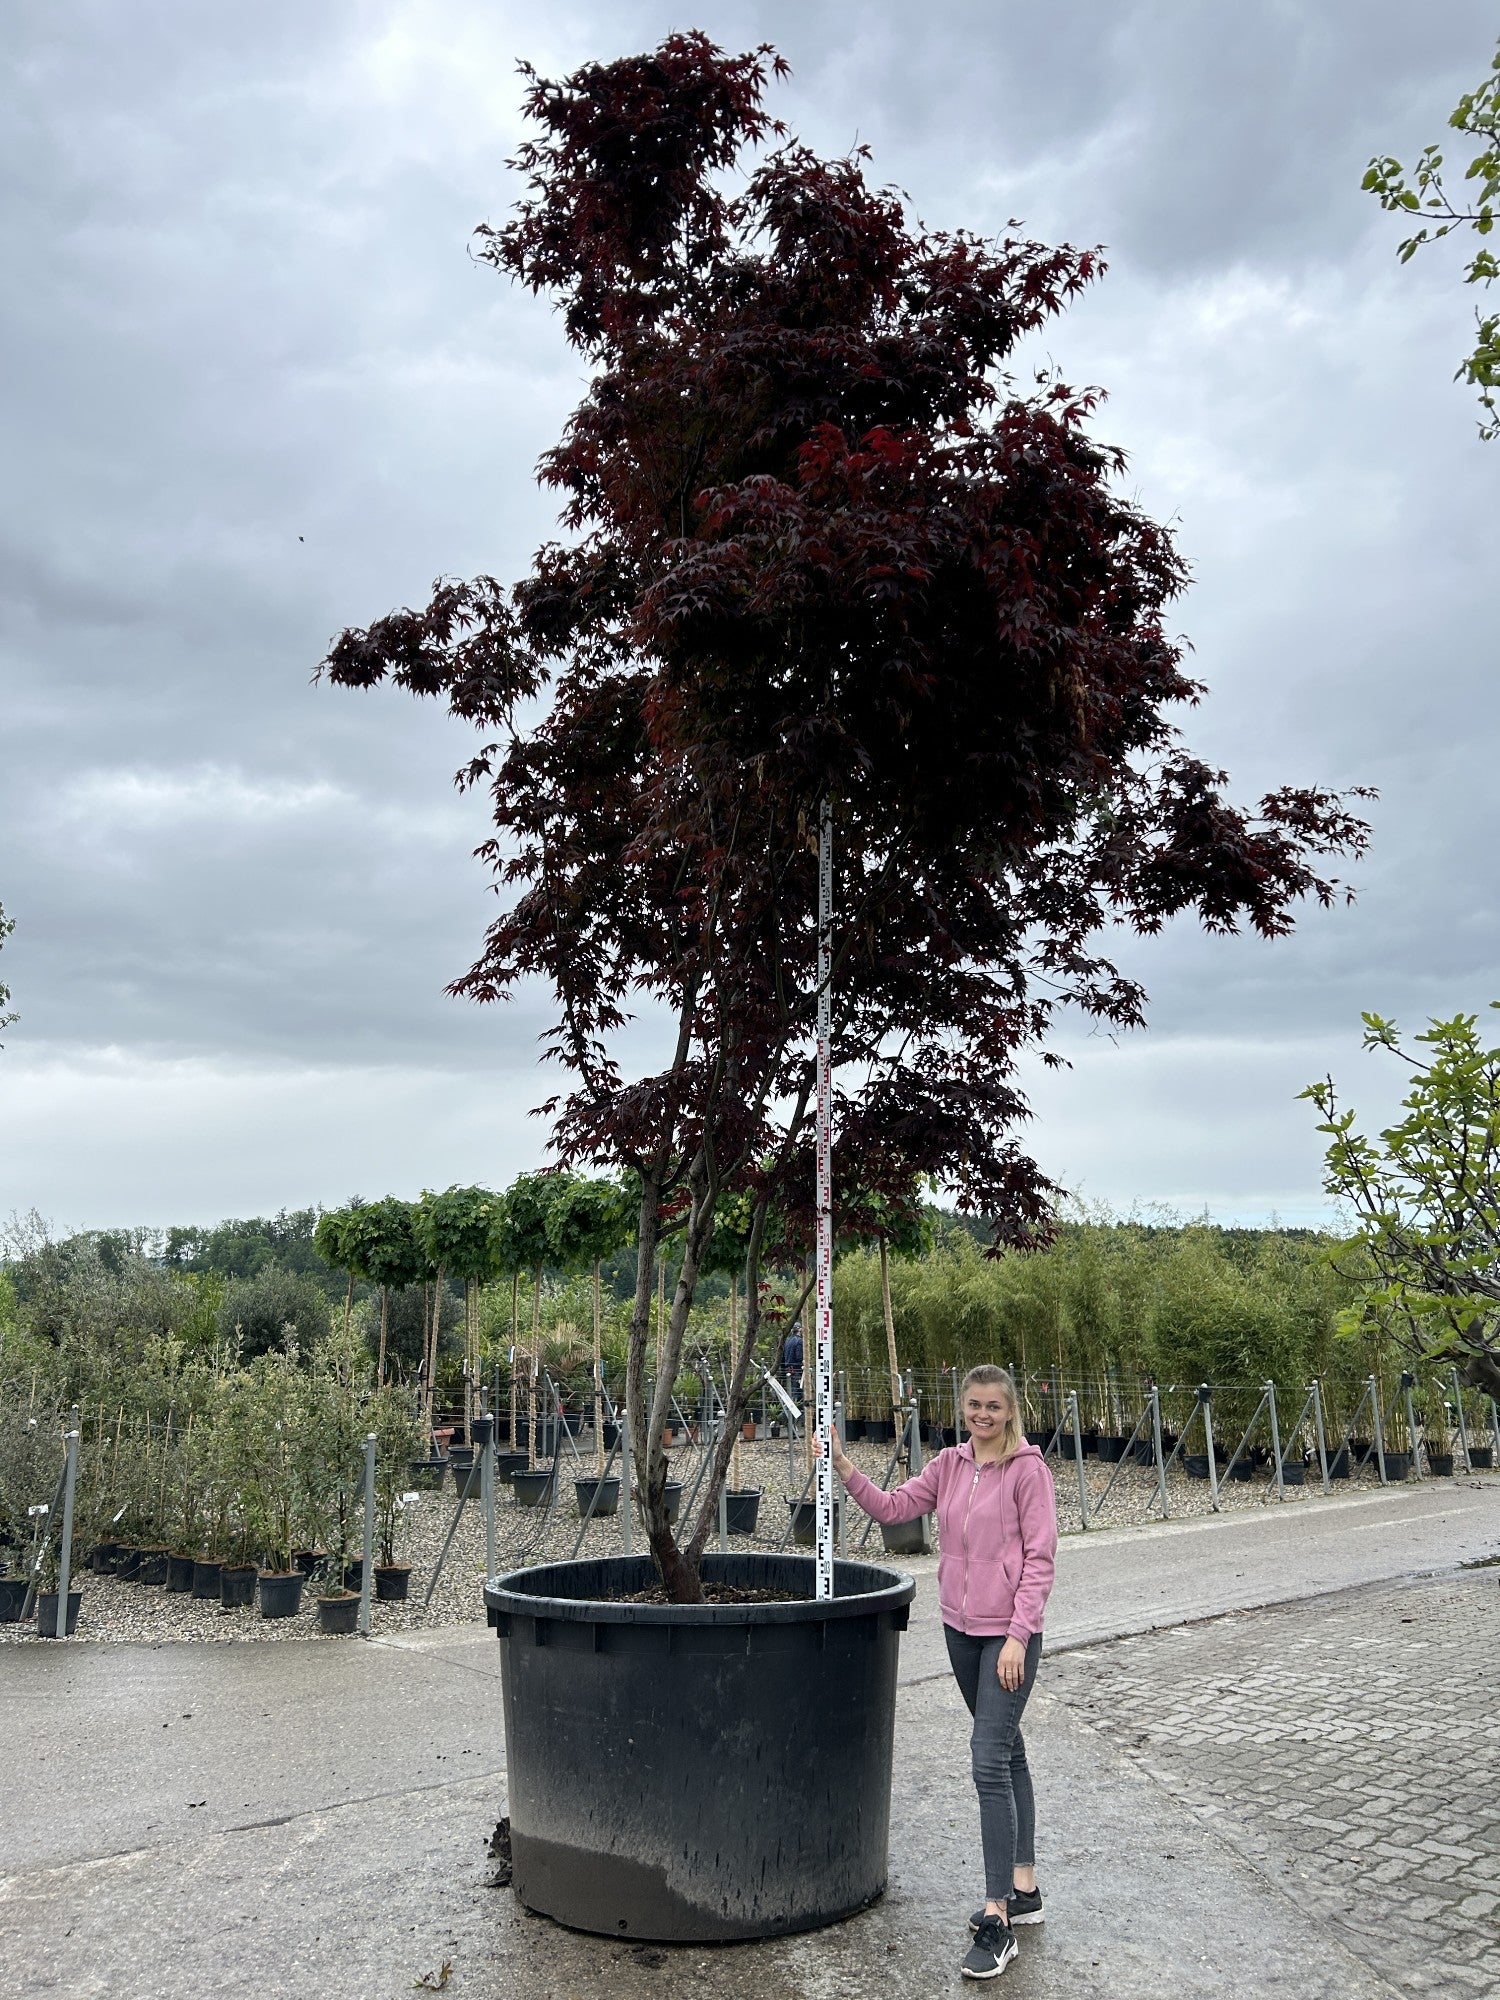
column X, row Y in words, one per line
column 1012, row 1665
column 843, row 1464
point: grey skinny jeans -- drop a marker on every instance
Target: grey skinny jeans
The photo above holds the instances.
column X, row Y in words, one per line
column 1002, row 1778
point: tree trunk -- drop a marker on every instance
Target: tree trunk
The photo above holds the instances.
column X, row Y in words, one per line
column 515, row 1348
column 536, row 1345
column 348, row 1304
column 890, row 1334
column 429, row 1399
column 729, row 1418
column 385, row 1320
column 599, row 1378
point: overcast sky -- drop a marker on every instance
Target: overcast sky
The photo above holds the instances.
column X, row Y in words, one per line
column 254, row 389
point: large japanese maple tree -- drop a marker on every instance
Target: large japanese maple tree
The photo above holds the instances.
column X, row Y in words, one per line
column 817, row 546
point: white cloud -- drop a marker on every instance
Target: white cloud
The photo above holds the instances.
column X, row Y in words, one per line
column 161, row 798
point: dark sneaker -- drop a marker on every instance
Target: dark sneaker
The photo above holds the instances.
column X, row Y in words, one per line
column 1023, row 1906
column 992, row 1950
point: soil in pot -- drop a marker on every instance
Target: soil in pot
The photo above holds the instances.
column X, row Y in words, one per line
column 205, row 1577
column 180, row 1573
column 391, row 1580
column 281, row 1593
column 12, row 1597
column 741, row 1510
column 46, row 1614
column 339, row 1616
column 153, row 1566
column 602, row 1495
column 236, row 1585
column 603, row 1717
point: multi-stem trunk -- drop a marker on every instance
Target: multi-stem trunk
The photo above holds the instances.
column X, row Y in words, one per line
column 532, row 1366
column 890, row 1335
column 515, row 1348
column 430, row 1386
column 385, row 1322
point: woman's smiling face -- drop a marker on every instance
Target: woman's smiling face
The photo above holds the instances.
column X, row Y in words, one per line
column 986, row 1410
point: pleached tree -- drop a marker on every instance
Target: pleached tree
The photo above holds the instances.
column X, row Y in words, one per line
column 819, row 546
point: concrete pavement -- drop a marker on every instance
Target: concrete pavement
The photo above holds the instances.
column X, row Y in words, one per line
column 310, row 1819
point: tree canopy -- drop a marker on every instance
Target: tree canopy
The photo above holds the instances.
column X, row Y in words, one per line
column 819, row 547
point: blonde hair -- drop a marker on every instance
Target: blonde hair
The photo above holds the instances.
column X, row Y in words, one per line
column 988, row 1376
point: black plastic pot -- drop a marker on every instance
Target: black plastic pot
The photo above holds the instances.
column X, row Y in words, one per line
column 741, row 1510
column 1242, row 1471
column 12, row 1597
column 426, row 1474
column 1090, row 1444
column 128, row 1563
column 460, row 1454
column 1041, row 1439
column 805, row 1520
column 949, row 1435
column 880, row 1430
column 1439, row 1463
column 1481, row 1456
column 673, row 1492
column 508, row 1464
column 532, row 1488
column 153, row 1566
column 546, row 1437
column 339, row 1616
column 180, row 1573
column 281, row 1593
column 1195, row 1464
column 354, row 1574
column 608, row 1704
column 609, row 1430
column 206, row 1578
column 1143, row 1451
column 307, row 1560
column 236, row 1585
column 102, row 1558
column 481, row 1431
column 854, row 1430
column 1397, row 1465
column 906, row 1538
column 469, row 1479
column 391, row 1580
column 1293, row 1472
column 607, row 1500
column 46, row 1614
column 1111, row 1449
column 1338, row 1463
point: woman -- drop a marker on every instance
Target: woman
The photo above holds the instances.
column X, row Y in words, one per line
column 997, row 1533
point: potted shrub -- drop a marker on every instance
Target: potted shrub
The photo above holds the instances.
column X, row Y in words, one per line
column 395, row 1428
column 334, row 1422
column 723, row 673
column 276, row 1479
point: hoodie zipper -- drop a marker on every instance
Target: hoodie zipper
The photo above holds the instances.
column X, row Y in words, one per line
column 968, row 1509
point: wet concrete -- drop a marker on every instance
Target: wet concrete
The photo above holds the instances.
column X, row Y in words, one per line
column 300, row 1820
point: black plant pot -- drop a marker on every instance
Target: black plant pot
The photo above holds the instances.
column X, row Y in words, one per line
column 673, row 1493
column 102, row 1558
column 906, row 1538
column 1397, row 1465
column 281, row 1593
column 1195, row 1464
column 180, row 1573
column 1338, row 1463
column 339, row 1616
column 609, row 1430
column 532, row 1488
column 460, row 1454
column 307, row 1560
column 1293, row 1472
column 854, row 1430
column 546, row 1437
column 1242, row 1471
column 46, row 1614
column 236, row 1585
column 608, row 1703
column 1481, row 1457
column 602, row 1495
column 741, row 1510
column 1090, row 1444
column 1111, row 1449
column 206, row 1578
column 1143, row 1452
column 949, row 1435
column 805, row 1520
column 153, row 1566
column 426, row 1474
column 128, row 1563
column 481, row 1431
column 391, row 1580
column 354, row 1574
column 508, row 1464
column 12, row 1597
column 1041, row 1439
column 880, row 1430
column 1440, row 1463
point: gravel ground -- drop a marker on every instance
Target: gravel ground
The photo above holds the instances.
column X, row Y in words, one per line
column 113, row 1610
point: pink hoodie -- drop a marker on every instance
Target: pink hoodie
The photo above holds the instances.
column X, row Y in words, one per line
column 997, row 1529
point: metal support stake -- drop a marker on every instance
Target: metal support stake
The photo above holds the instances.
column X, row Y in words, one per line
column 487, row 1489
column 1316, row 1390
column 1083, row 1487
column 1161, row 1470
column 823, row 1353
column 914, row 1458
column 1275, row 1440
column 65, row 1559
column 1205, row 1403
column 1373, row 1388
column 626, row 1498
column 1495, row 1428
column 1408, row 1382
column 1463, row 1428
column 367, row 1567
